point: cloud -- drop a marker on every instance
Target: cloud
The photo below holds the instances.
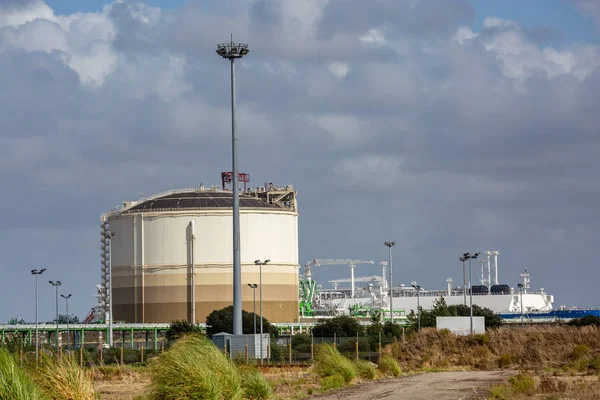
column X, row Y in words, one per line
column 439, row 136
column 590, row 8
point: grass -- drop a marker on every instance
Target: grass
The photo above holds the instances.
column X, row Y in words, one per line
column 389, row 366
column 332, row 382
column 14, row 382
column 194, row 369
column 365, row 369
column 330, row 362
column 62, row 378
column 254, row 384
column 522, row 383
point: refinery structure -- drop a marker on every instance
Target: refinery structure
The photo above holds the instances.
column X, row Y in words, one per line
column 171, row 253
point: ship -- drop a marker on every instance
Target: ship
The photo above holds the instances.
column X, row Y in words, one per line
column 369, row 296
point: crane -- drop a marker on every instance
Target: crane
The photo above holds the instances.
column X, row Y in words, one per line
column 374, row 278
column 331, row 261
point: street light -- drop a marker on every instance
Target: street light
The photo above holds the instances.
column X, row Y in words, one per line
column 520, row 285
column 261, row 263
column 56, row 285
column 390, row 245
column 418, row 289
column 68, row 334
column 254, row 286
column 108, row 236
column 463, row 259
column 36, row 273
column 470, row 257
column 232, row 51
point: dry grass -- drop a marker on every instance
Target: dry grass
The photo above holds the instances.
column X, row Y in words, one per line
column 528, row 385
column 531, row 348
column 61, row 378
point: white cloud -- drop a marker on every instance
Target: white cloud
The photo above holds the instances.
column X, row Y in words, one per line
column 373, row 36
column 15, row 16
column 338, row 69
column 463, row 34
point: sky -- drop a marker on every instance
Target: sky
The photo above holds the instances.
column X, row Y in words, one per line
column 446, row 126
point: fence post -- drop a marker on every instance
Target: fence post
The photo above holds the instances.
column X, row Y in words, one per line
column 246, row 349
column 379, row 346
column 290, row 350
column 268, row 352
column 81, row 356
column 334, row 341
column 122, row 353
column 312, row 347
column 101, row 360
column 162, row 347
column 356, row 345
column 142, row 354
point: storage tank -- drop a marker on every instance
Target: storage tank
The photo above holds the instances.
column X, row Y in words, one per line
column 152, row 252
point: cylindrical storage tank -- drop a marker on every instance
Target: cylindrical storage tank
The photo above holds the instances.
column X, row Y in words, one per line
column 152, row 255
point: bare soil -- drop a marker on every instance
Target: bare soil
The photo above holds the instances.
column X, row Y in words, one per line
column 435, row 386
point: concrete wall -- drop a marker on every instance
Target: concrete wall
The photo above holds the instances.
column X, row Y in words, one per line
column 461, row 325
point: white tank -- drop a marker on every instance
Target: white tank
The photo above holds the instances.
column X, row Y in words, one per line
column 152, row 254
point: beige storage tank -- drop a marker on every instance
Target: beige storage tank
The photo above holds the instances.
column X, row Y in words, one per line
column 152, row 254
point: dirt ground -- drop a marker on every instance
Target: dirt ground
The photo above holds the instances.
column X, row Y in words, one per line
column 434, row 386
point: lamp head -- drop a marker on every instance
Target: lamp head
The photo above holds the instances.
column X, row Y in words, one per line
column 267, row 261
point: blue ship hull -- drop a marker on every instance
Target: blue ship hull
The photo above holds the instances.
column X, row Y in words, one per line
column 552, row 315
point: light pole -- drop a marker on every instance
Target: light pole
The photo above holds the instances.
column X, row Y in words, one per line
column 470, row 256
column 390, row 245
column 68, row 334
column 254, row 286
column 520, row 285
column 463, row 259
column 56, row 285
column 418, row 289
column 108, row 236
column 232, row 51
column 36, row 273
column 261, row 263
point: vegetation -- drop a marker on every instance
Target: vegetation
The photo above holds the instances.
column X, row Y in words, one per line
column 179, row 328
column 344, row 326
column 365, row 369
column 389, row 366
column 332, row 382
column 585, row 321
column 330, row 362
column 194, row 369
column 222, row 321
column 62, row 378
column 254, row 384
column 14, row 382
column 441, row 309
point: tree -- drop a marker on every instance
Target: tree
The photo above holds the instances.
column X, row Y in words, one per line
column 440, row 309
column 64, row 319
column 179, row 328
column 343, row 326
column 585, row 321
column 222, row 321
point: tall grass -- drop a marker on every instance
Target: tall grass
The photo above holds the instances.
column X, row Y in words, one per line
column 61, row 378
column 365, row 369
column 194, row 369
column 389, row 366
column 14, row 382
column 254, row 384
column 330, row 362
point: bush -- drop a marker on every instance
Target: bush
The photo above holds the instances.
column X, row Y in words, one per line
column 389, row 366
column 365, row 369
column 14, row 383
column 504, row 360
column 585, row 321
column 194, row 369
column 179, row 328
column 522, row 383
column 330, row 362
column 61, row 378
column 479, row 339
column 580, row 351
column 332, row 382
column 254, row 384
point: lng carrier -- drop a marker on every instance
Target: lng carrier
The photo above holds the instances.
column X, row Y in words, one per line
column 372, row 295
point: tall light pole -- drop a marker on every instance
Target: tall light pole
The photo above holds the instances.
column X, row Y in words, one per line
column 37, row 352
column 463, row 259
column 418, row 289
column 390, row 245
column 254, row 286
column 232, row 51
column 108, row 236
column 470, row 257
column 68, row 334
column 520, row 285
column 56, row 285
column 261, row 263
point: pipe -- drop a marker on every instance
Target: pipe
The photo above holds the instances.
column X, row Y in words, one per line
column 489, row 273
column 352, row 280
column 143, row 274
column 496, row 266
column 192, row 237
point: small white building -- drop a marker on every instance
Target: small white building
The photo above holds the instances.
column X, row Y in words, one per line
column 461, row 325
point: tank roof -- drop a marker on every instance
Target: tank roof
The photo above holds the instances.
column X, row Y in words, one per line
column 198, row 199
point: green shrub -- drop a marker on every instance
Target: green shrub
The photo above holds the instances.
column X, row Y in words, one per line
column 523, row 382
column 580, row 351
column 365, row 369
column 254, row 384
column 504, row 360
column 330, row 362
column 594, row 364
column 332, row 382
column 14, row 383
column 61, row 378
column 500, row 392
column 194, row 368
column 479, row 339
column 389, row 366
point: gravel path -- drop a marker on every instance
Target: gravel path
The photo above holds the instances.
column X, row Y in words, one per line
column 435, row 386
